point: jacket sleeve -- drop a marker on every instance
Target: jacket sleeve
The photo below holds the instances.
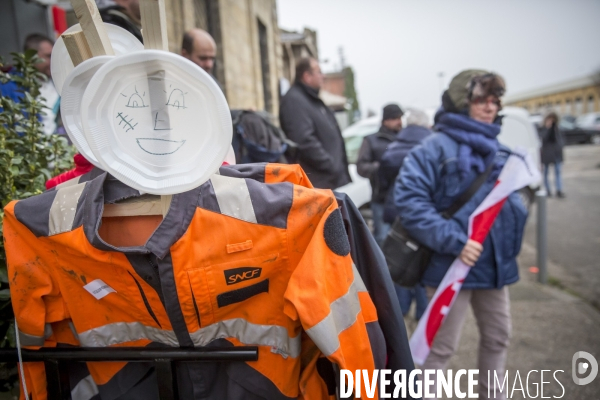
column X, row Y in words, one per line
column 373, row 269
column 299, row 127
column 388, row 170
column 35, row 296
column 327, row 295
column 365, row 165
column 414, row 189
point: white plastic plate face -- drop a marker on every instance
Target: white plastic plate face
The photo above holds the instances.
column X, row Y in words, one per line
column 70, row 103
column 61, row 65
column 156, row 121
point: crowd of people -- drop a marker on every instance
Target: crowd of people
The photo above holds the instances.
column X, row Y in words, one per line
column 416, row 172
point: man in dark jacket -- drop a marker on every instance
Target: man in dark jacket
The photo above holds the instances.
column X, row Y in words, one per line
column 307, row 121
column 369, row 157
column 125, row 14
column 417, row 129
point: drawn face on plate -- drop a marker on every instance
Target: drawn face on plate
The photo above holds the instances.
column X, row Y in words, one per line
column 159, row 117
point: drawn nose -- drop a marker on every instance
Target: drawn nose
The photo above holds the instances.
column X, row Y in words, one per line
column 162, row 120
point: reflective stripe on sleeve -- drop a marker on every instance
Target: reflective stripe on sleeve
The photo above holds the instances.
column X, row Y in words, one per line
column 248, row 333
column 233, row 197
column 342, row 315
column 32, row 340
column 122, row 332
column 63, row 209
column 85, row 389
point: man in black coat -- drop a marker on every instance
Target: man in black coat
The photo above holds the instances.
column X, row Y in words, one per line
column 306, row 120
column 125, row 14
column 369, row 157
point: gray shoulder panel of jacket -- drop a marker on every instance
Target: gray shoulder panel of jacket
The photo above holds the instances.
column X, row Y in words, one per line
column 54, row 211
column 251, row 171
column 271, row 202
column 248, row 200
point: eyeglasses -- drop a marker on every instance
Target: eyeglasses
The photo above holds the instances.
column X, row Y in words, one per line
column 485, row 100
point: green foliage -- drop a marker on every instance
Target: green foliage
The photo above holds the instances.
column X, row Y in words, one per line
column 28, row 158
column 350, row 94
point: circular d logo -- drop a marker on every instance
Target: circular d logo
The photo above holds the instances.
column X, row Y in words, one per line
column 581, row 367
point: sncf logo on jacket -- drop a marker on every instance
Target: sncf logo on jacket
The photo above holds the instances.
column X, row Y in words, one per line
column 237, row 275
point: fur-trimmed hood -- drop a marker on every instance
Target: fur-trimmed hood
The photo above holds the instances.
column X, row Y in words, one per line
column 471, row 84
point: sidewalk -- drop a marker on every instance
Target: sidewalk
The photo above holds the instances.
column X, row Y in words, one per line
column 549, row 326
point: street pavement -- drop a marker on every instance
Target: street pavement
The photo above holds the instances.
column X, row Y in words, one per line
column 553, row 322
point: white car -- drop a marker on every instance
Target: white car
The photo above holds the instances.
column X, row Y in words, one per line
column 517, row 131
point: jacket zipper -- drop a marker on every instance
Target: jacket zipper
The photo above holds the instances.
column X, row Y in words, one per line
column 195, row 307
column 146, row 303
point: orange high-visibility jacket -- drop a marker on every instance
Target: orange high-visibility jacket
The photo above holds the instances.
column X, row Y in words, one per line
column 234, row 261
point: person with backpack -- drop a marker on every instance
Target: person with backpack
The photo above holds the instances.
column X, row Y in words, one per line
column 369, row 157
column 434, row 175
column 416, row 130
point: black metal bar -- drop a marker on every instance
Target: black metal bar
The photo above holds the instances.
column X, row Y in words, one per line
column 133, row 354
column 167, row 382
column 57, row 381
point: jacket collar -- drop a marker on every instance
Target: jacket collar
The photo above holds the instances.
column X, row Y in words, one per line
column 413, row 134
column 106, row 189
column 387, row 133
column 311, row 92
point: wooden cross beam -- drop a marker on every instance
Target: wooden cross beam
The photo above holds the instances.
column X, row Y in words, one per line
column 77, row 47
column 93, row 28
column 154, row 24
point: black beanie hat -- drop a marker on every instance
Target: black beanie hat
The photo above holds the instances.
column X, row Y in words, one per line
column 392, row 111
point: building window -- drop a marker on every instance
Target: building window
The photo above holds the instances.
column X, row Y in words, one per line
column 591, row 104
column 264, row 65
column 557, row 107
column 568, row 109
column 578, row 106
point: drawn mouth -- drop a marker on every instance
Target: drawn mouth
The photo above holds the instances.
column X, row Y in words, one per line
column 159, row 147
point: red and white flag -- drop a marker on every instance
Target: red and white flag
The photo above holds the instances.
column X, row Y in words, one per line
column 518, row 172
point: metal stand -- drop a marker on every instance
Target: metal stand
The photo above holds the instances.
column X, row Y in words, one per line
column 56, row 361
column 542, row 236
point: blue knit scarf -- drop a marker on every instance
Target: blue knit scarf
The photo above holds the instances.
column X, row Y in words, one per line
column 477, row 140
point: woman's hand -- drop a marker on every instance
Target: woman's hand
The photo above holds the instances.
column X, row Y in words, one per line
column 471, row 252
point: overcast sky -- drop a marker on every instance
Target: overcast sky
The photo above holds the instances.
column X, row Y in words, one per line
column 397, row 48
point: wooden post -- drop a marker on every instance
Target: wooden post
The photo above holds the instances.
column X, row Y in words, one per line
column 154, row 24
column 93, row 28
column 77, row 47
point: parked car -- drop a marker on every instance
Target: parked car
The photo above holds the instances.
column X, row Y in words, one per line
column 359, row 189
column 517, row 131
column 572, row 133
column 590, row 124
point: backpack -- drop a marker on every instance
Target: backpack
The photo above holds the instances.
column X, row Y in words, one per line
column 256, row 139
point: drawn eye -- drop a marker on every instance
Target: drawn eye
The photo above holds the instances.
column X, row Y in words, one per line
column 176, row 99
column 136, row 101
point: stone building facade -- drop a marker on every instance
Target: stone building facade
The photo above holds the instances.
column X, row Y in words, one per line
column 249, row 61
column 575, row 97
